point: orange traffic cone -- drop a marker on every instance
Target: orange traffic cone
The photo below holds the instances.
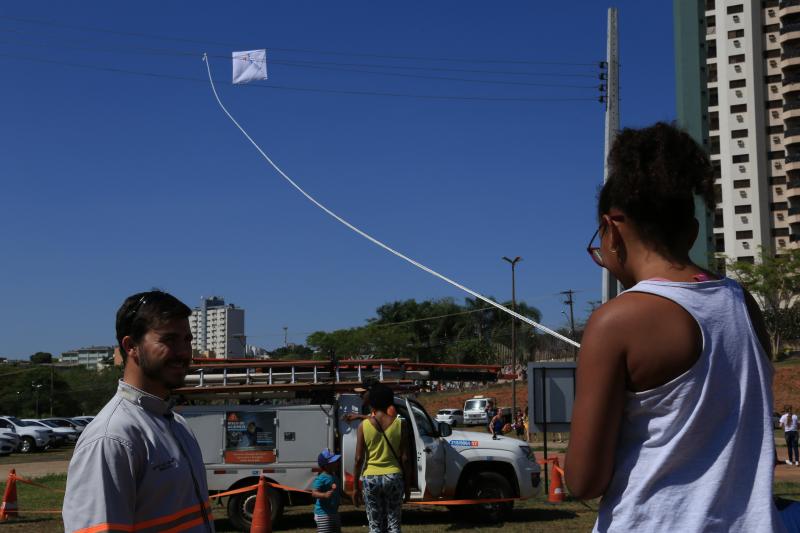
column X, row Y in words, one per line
column 262, row 513
column 9, row 506
column 556, row 484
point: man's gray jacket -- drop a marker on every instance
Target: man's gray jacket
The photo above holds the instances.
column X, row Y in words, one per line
column 137, row 467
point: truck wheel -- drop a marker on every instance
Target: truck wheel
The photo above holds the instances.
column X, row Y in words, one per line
column 490, row 485
column 240, row 508
column 27, row 445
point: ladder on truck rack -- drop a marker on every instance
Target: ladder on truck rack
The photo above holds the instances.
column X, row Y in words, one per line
column 251, row 376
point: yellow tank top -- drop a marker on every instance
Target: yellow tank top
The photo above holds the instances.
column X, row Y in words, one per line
column 380, row 459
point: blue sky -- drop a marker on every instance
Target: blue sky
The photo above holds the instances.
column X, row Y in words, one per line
column 114, row 183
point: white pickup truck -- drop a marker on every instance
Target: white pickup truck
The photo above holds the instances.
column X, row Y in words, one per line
column 242, row 442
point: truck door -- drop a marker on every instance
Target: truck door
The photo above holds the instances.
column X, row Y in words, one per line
column 430, row 457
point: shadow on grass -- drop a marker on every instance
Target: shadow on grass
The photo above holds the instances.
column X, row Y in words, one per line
column 448, row 520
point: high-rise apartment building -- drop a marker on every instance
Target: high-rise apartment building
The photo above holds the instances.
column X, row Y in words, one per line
column 742, row 97
column 218, row 329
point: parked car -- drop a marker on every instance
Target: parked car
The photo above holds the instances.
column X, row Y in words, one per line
column 32, row 437
column 63, row 435
column 66, row 423
column 9, row 440
column 86, row 419
column 454, row 417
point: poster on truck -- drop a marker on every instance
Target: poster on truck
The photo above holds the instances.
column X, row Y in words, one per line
column 249, row 437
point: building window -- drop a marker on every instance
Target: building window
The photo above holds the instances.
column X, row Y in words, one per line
column 777, row 154
column 779, row 206
column 741, row 184
column 712, row 51
column 777, row 180
column 718, row 219
column 735, row 9
column 775, row 78
column 746, row 259
column 739, row 134
column 775, row 129
column 734, row 34
column 738, row 58
column 774, row 104
column 780, row 232
column 741, row 158
column 739, row 108
column 740, row 209
column 771, row 27
column 719, row 242
column 737, row 84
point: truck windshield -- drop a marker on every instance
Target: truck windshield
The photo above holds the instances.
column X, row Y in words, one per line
column 475, row 405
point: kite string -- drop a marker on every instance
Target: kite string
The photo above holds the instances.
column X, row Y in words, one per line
column 371, row 238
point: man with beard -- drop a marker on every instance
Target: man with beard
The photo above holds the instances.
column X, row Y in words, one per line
column 137, row 465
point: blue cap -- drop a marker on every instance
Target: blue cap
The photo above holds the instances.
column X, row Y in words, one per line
column 327, row 457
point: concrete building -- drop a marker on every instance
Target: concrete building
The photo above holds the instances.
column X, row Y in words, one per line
column 738, row 70
column 89, row 357
column 218, row 329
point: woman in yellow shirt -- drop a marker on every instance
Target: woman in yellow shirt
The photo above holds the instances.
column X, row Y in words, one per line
column 382, row 443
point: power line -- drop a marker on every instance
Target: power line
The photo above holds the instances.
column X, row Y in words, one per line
column 306, row 89
column 299, row 62
column 292, row 50
column 308, row 65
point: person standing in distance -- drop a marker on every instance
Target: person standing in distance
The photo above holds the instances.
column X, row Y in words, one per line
column 789, row 424
column 138, row 465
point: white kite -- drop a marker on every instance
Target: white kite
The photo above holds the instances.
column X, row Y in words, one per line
column 249, row 66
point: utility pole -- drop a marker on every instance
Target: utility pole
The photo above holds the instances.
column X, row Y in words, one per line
column 285, row 336
column 513, row 263
column 611, row 98
column 568, row 293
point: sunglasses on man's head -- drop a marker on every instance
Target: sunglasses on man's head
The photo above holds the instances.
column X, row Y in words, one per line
column 594, row 251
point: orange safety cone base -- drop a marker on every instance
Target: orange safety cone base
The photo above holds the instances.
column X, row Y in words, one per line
column 9, row 506
column 556, row 484
column 262, row 513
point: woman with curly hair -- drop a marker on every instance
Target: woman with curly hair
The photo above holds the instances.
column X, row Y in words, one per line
column 672, row 415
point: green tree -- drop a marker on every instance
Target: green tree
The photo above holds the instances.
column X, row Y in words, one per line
column 775, row 282
column 41, row 358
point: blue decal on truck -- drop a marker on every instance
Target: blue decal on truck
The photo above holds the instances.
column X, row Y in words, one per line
column 466, row 443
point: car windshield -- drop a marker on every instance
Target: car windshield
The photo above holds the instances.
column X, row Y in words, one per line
column 445, row 412
column 79, row 421
column 32, row 423
column 475, row 405
column 15, row 420
column 49, row 423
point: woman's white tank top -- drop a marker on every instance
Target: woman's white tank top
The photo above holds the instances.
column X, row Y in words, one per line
column 697, row 453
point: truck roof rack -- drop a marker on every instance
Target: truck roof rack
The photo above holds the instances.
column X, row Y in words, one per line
column 250, row 377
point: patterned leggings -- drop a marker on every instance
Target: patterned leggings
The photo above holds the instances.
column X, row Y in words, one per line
column 383, row 499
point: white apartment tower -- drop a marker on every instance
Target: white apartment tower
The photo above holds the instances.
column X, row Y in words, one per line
column 218, row 329
column 753, row 115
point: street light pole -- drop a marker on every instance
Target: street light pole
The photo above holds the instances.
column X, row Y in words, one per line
column 513, row 263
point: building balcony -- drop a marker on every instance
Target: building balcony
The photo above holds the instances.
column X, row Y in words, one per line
column 789, row 33
column 790, row 164
column 793, row 215
column 788, row 7
column 791, row 136
column 790, row 57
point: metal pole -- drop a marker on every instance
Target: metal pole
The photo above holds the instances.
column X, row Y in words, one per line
column 569, row 302
column 612, row 122
column 285, row 336
column 544, row 424
column 513, row 263
column 52, row 370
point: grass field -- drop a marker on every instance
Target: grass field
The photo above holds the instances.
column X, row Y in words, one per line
column 533, row 515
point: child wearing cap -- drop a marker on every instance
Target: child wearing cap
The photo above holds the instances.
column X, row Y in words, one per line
column 326, row 492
